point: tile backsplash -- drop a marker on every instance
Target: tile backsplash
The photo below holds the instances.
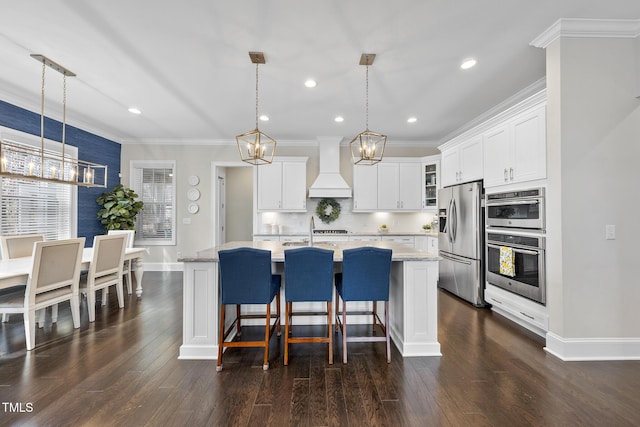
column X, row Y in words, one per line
column 348, row 220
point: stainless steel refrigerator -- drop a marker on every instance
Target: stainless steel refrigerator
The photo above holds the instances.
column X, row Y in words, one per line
column 461, row 241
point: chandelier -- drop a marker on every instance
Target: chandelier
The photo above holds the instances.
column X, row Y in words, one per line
column 256, row 147
column 28, row 162
column 367, row 148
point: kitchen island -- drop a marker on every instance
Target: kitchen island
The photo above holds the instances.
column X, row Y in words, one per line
column 412, row 296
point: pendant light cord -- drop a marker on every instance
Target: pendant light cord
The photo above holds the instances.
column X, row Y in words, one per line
column 367, row 97
column 257, row 95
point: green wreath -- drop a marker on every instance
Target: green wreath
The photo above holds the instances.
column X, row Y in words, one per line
column 328, row 210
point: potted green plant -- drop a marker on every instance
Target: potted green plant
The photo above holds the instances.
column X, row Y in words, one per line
column 383, row 228
column 119, row 208
column 426, row 227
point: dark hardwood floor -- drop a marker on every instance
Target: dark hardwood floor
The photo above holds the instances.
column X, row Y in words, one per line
column 123, row 370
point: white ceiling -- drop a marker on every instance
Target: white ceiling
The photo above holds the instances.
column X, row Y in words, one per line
column 186, row 64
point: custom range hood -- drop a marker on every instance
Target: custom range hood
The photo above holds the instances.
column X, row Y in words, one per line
column 329, row 182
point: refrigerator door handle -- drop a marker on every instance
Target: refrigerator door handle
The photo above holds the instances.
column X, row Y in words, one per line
column 454, row 228
column 449, row 223
column 454, row 258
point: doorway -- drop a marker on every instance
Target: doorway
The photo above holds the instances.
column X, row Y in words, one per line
column 233, row 202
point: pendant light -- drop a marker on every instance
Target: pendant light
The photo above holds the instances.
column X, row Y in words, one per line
column 256, row 147
column 32, row 163
column 367, row 148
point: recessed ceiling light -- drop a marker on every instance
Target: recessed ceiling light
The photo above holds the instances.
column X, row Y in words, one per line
column 134, row 110
column 264, row 118
column 310, row 83
column 468, row 63
column 338, row 119
column 412, row 120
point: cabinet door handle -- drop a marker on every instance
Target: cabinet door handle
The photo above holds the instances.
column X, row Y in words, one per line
column 511, row 174
column 498, row 301
column 506, row 177
column 526, row 315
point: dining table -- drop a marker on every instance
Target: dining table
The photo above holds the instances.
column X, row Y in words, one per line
column 15, row 272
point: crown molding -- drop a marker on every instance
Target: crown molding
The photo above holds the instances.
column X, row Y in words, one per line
column 531, row 95
column 588, row 28
column 283, row 142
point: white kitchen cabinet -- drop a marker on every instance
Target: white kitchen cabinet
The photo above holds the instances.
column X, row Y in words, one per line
column 399, row 186
column 525, row 312
column 365, row 188
column 363, row 238
column 432, row 244
column 431, row 182
column 515, row 151
column 427, row 243
column 405, row 240
column 263, row 238
column 462, row 162
column 282, row 185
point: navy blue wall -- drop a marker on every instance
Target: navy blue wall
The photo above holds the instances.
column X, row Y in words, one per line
column 91, row 147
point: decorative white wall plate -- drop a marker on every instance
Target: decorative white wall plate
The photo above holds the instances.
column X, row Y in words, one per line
column 193, row 208
column 193, row 194
column 194, row 180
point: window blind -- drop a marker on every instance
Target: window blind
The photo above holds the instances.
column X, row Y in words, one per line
column 154, row 184
column 29, row 206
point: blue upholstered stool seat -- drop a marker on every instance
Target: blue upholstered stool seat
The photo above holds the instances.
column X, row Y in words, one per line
column 365, row 276
column 308, row 277
column 245, row 278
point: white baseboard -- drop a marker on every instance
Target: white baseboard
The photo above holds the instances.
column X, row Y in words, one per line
column 583, row 349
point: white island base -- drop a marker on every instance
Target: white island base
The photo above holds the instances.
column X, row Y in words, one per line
column 413, row 298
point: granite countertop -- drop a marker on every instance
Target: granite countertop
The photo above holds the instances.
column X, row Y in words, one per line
column 400, row 252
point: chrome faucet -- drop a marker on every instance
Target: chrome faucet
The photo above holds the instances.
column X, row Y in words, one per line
column 312, row 226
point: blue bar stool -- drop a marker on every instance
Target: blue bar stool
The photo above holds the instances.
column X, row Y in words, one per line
column 365, row 276
column 308, row 276
column 245, row 278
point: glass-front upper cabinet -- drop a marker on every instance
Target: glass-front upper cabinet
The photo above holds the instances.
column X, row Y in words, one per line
column 430, row 167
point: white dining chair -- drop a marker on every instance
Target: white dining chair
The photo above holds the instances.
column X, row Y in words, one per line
column 127, row 267
column 53, row 279
column 105, row 270
column 18, row 246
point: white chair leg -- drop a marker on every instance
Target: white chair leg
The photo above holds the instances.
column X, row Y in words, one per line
column 75, row 310
column 91, row 305
column 41, row 315
column 120, row 293
column 5, row 317
column 129, row 282
column 30, row 328
column 54, row 313
column 105, row 295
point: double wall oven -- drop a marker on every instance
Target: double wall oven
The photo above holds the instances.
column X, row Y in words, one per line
column 515, row 242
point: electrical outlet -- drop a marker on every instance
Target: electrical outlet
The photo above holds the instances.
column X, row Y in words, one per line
column 609, row 232
column 186, row 220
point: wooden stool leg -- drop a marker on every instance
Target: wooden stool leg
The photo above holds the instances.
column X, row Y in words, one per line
column 279, row 319
column 267, row 329
column 220, row 339
column 337, row 308
column 288, row 310
column 344, row 332
column 330, row 331
column 375, row 313
column 386, row 330
column 239, row 328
